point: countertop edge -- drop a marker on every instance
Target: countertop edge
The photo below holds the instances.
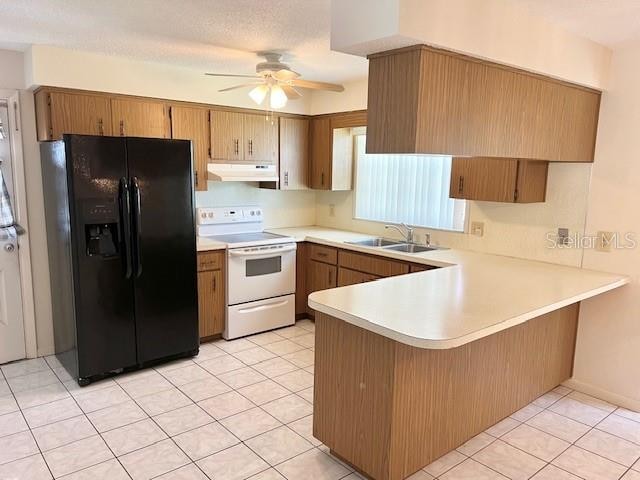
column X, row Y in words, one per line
column 444, row 344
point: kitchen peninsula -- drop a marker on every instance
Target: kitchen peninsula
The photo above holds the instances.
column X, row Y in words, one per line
column 410, row 367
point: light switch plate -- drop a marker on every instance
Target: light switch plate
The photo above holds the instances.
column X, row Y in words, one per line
column 604, row 241
column 477, row 229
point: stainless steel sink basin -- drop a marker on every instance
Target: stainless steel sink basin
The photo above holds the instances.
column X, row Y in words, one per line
column 376, row 242
column 410, row 248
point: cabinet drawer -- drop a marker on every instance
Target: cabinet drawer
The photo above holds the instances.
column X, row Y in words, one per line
column 347, row 276
column 371, row 264
column 324, row 254
column 210, row 261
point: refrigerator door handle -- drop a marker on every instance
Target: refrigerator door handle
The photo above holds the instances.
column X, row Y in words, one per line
column 137, row 222
column 124, row 199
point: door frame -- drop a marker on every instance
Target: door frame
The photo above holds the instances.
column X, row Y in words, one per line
column 20, row 211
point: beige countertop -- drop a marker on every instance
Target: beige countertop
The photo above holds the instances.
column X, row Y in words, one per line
column 473, row 296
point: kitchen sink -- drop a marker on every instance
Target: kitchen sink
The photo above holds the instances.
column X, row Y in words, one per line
column 376, row 242
column 410, row 248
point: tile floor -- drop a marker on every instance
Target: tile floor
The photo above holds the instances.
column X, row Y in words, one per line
column 243, row 409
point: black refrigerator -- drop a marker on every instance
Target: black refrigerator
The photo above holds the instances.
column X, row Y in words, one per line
column 122, row 252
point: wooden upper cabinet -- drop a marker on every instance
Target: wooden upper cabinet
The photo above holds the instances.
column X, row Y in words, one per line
column 192, row 123
column 498, row 180
column 227, row 139
column 58, row 113
column 320, row 151
column 425, row 100
column 331, row 149
column 131, row 117
column 294, row 153
column 260, row 139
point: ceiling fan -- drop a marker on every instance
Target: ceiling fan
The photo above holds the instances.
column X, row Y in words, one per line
column 277, row 81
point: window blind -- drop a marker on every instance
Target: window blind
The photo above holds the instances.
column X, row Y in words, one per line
column 413, row 189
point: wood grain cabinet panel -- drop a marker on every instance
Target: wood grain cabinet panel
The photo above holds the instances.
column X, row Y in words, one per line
column 322, row 253
column 211, row 303
column 425, row 100
column 131, row 117
column 294, row 153
column 371, row 264
column 347, row 276
column 301, row 278
column 498, row 180
column 321, row 276
column 320, row 151
column 260, row 139
column 227, row 138
column 192, row 123
column 211, row 293
column 58, row 113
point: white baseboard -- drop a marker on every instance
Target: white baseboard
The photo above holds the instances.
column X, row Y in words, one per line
column 620, row 400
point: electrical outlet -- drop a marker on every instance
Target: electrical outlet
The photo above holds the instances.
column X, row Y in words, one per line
column 477, row 229
column 332, row 210
column 604, row 241
column 563, row 236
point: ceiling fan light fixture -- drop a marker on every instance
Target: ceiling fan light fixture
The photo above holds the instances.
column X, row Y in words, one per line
column 278, row 98
column 259, row 93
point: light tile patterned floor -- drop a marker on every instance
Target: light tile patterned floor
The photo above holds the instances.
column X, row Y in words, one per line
column 243, row 409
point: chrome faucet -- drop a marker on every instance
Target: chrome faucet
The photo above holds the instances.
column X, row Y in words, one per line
column 408, row 235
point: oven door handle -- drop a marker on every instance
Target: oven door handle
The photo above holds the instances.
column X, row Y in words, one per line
column 262, row 253
column 263, row 307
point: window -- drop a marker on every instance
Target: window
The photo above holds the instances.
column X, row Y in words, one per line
column 413, row 189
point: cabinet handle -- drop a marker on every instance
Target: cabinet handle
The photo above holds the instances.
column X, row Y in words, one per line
column 100, row 127
column 330, row 279
column 214, row 284
column 122, row 128
column 322, row 179
column 321, row 254
column 286, row 179
column 460, row 184
column 196, row 175
column 250, row 147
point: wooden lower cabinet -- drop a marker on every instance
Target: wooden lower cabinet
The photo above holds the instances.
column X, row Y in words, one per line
column 321, row 276
column 211, row 293
column 347, row 276
column 301, row 279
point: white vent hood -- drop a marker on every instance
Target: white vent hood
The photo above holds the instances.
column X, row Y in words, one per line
column 233, row 172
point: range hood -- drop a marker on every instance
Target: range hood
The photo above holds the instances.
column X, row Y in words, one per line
column 234, row 172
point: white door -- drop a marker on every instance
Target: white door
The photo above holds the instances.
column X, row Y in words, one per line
column 12, row 345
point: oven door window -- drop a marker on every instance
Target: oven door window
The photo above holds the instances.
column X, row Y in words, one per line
column 263, row 266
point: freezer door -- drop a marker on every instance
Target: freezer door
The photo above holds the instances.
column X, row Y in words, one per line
column 164, row 265
column 105, row 328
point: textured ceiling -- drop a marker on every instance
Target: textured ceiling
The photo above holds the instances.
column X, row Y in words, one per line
column 609, row 22
column 218, row 36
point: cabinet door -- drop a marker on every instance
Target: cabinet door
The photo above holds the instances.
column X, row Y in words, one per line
column 81, row 114
column 320, row 276
column 301, row 278
column 139, row 118
column 350, row 277
column 189, row 123
column 294, row 154
column 488, row 179
column 227, row 136
column 320, row 151
column 211, row 307
column 260, row 139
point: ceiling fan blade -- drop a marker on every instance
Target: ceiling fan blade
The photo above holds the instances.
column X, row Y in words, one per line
column 231, row 75
column 243, row 85
column 285, row 75
column 332, row 87
column 290, row 92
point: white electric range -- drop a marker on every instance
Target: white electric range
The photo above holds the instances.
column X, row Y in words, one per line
column 260, row 270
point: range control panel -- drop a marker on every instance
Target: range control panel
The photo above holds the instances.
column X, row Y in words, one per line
column 226, row 215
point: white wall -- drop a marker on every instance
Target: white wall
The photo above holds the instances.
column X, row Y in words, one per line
column 12, row 77
column 281, row 208
column 59, row 67
column 499, row 30
column 509, row 229
column 608, row 348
